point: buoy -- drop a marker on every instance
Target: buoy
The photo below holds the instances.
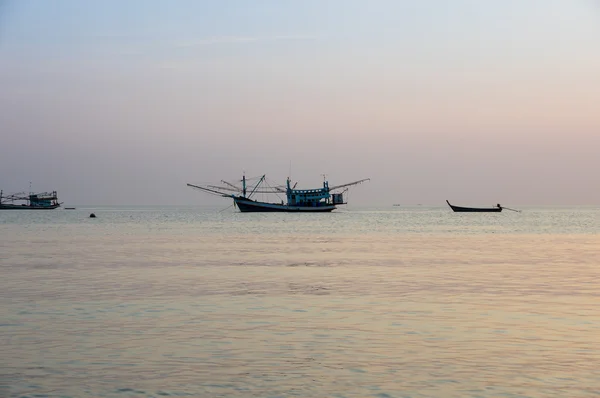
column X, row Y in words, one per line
column 92, row 215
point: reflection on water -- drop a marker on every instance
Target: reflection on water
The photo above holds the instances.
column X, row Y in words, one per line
column 179, row 302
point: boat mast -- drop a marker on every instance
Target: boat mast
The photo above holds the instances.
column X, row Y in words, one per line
column 244, row 185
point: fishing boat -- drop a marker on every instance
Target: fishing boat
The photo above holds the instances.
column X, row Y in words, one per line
column 29, row 201
column 317, row 200
column 459, row 209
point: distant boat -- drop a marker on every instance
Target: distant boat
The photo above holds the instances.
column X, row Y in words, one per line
column 298, row 200
column 459, row 209
column 32, row 201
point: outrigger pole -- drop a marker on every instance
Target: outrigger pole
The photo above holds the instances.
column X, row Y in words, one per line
column 349, row 184
column 256, row 186
column 231, row 185
column 212, row 191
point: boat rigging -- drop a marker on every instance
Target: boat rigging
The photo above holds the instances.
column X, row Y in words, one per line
column 29, row 201
column 298, row 200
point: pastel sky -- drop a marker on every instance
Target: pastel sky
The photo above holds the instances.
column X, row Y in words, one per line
column 478, row 102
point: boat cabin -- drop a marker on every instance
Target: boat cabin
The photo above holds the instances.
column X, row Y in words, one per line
column 43, row 200
column 309, row 197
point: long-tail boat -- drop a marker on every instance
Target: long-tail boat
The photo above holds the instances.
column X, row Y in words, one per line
column 298, row 200
column 460, row 209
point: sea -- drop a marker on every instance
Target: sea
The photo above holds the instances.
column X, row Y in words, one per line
column 398, row 301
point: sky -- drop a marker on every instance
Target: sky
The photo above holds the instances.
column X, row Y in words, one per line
column 479, row 102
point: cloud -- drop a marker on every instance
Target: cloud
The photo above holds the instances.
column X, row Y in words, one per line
column 239, row 40
column 174, row 65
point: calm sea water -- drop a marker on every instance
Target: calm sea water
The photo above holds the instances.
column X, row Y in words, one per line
column 391, row 302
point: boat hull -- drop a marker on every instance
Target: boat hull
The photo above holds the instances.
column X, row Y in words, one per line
column 459, row 209
column 251, row 206
column 25, row 207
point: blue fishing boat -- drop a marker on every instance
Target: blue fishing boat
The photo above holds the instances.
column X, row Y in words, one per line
column 30, row 201
column 324, row 199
